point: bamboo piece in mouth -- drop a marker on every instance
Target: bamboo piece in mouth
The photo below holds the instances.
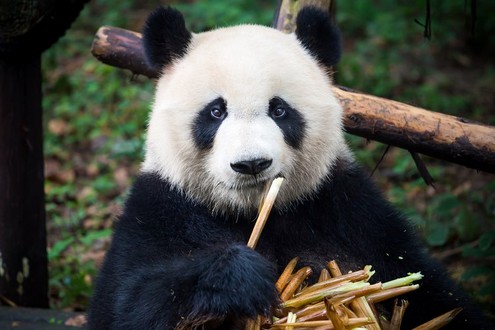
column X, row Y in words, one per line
column 268, row 202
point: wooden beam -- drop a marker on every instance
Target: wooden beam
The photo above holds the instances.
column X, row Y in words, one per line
column 453, row 139
column 435, row 134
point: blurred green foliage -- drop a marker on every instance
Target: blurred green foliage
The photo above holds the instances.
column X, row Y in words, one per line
column 209, row 14
column 96, row 115
column 451, row 73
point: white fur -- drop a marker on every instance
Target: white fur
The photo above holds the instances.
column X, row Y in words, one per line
column 246, row 65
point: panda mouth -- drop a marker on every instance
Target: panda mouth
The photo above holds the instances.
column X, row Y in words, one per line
column 248, row 185
column 253, row 183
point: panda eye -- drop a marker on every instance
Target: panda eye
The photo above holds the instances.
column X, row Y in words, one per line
column 217, row 113
column 278, row 112
column 278, row 108
column 218, row 109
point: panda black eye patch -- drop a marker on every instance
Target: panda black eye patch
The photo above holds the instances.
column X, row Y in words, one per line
column 208, row 121
column 289, row 120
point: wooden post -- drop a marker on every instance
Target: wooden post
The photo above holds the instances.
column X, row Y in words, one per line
column 27, row 28
column 23, row 259
column 288, row 9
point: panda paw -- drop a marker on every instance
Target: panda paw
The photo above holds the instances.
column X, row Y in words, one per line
column 238, row 281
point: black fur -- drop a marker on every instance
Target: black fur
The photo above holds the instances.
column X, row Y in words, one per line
column 319, row 35
column 171, row 259
column 291, row 123
column 205, row 126
column 165, row 37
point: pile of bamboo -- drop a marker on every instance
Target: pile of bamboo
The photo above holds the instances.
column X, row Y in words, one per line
column 340, row 301
column 337, row 301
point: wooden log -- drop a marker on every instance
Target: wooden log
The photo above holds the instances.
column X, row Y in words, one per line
column 435, row 134
column 121, row 48
column 446, row 137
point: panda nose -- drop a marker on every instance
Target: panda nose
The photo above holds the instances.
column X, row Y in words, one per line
column 252, row 167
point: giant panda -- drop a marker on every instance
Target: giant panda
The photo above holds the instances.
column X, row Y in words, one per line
column 234, row 108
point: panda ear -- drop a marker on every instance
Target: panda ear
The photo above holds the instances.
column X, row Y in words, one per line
column 317, row 33
column 165, row 37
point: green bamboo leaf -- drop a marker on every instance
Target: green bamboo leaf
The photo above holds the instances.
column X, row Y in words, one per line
column 92, row 236
column 59, row 246
column 487, row 240
column 437, row 233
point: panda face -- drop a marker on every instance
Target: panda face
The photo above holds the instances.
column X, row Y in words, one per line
column 251, row 146
column 244, row 105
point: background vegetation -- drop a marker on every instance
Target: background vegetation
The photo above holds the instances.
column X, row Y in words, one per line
column 95, row 117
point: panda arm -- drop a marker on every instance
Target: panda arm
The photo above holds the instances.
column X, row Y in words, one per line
column 210, row 283
column 169, row 261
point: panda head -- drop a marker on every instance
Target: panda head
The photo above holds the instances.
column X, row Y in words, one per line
column 236, row 107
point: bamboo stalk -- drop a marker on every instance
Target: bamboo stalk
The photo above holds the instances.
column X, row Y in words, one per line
column 390, row 293
column 334, row 315
column 267, row 202
column 359, row 306
column 285, row 276
column 349, row 312
column 319, row 295
column 398, row 313
column 318, row 316
column 402, row 281
column 291, row 318
column 439, row 321
column 295, row 282
column 324, row 275
column 325, row 305
column 265, row 211
column 360, row 275
column 364, row 291
column 304, row 312
column 363, row 309
column 357, row 322
column 334, row 268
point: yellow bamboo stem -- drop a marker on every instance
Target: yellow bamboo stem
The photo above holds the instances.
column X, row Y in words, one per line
column 285, row 276
column 265, row 211
column 439, row 321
